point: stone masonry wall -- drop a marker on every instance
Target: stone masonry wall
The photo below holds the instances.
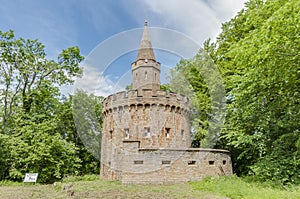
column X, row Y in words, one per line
column 173, row 165
column 156, row 119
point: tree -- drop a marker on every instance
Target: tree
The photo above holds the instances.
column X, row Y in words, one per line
column 37, row 147
column 26, row 74
column 31, row 122
column 87, row 110
column 199, row 79
column 258, row 54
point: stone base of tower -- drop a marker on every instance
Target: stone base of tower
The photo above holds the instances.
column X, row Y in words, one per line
column 165, row 166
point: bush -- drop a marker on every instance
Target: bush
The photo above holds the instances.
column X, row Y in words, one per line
column 282, row 165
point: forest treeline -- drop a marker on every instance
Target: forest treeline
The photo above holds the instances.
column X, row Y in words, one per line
column 258, row 57
column 248, row 79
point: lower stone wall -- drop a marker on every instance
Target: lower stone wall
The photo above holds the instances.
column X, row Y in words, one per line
column 173, row 165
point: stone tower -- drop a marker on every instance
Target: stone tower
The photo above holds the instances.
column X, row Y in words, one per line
column 145, row 70
column 146, row 132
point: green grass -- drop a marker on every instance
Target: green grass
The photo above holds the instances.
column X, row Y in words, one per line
column 91, row 187
column 246, row 188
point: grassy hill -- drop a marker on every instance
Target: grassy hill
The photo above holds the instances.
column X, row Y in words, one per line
column 92, row 187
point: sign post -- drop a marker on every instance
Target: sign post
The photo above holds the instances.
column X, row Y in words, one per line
column 30, row 177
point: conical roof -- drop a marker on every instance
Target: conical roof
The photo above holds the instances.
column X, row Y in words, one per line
column 145, row 50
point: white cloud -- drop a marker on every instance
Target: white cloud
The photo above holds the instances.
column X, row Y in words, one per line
column 93, row 81
column 198, row 19
column 225, row 9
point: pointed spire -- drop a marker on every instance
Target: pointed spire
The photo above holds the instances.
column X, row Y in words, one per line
column 145, row 50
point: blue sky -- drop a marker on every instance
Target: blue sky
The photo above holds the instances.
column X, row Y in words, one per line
column 59, row 24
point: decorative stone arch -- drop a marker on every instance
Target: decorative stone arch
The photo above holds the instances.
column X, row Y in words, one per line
column 132, row 107
column 147, row 106
column 173, row 108
column 140, row 106
column 167, row 107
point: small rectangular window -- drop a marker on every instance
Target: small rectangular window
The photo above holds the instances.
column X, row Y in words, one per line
column 224, row 162
column 166, row 162
column 167, row 133
column 211, row 162
column 138, row 162
column 191, row 162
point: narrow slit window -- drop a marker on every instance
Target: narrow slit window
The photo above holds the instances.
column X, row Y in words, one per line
column 166, row 162
column 146, row 75
column 138, row 162
column 126, row 134
column 147, row 132
column 191, row 162
column 111, row 134
column 224, row 162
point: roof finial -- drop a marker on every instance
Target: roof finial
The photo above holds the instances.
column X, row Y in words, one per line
column 146, row 23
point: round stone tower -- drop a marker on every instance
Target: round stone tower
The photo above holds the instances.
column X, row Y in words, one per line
column 143, row 118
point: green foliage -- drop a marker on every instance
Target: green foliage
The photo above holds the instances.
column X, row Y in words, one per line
column 71, row 131
column 198, row 79
column 5, row 155
column 38, row 147
column 282, row 165
column 10, row 183
column 80, row 178
column 37, row 129
column 128, row 87
column 258, row 54
column 187, row 80
column 87, row 112
column 165, row 87
column 27, row 76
